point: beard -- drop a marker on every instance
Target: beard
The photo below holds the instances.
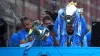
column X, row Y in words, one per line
column 70, row 32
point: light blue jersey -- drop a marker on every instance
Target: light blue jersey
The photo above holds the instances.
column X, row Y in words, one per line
column 80, row 27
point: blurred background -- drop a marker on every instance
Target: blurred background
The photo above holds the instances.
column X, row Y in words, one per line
column 12, row 10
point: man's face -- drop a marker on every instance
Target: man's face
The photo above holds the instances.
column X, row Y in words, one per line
column 27, row 24
column 69, row 29
column 47, row 22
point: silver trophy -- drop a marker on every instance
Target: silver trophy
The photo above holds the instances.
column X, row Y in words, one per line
column 41, row 31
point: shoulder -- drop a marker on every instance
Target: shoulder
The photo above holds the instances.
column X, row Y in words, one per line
column 14, row 36
column 22, row 31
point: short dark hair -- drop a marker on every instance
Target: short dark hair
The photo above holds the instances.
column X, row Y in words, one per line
column 23, row 19
column 47, row 18
column 52, row 14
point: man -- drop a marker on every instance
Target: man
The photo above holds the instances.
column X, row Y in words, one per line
column 80, row 27
column 27, row 24
column 22, row 31
column 47, row 20
column 71, row 39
